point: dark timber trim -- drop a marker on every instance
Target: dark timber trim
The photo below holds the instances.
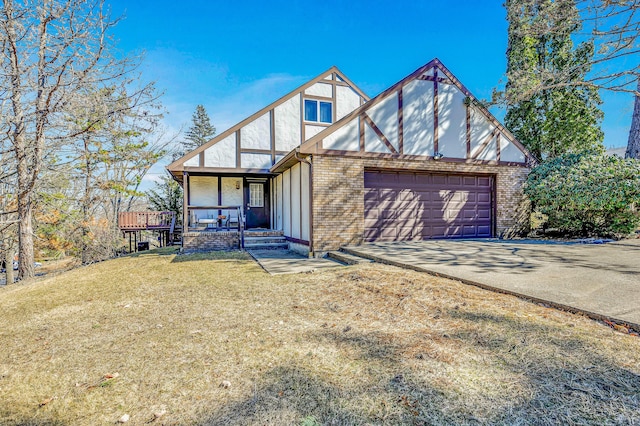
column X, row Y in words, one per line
column 400, row 123
column 379, row 133
column 238, row 150
column 435, row 110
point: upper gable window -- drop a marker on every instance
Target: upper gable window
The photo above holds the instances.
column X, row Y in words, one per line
column 318, row 111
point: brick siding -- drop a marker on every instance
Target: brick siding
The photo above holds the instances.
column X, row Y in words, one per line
column 338, row 195
column 207, row 241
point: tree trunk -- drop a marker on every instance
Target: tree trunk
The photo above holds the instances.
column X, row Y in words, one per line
column 633, row 145
column 25, row 229
column 85, row 201
column 19, row 142
column 8, row 260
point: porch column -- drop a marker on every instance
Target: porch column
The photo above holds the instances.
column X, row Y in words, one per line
column 185, row 202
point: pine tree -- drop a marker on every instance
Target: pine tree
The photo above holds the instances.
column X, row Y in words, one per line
column 550, row 119
column 167, row 196
column 201, row 130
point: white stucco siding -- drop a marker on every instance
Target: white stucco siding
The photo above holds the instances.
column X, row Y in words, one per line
column 489, row 153
column 452, row 122
column 192, row 162
column 203, row 191
column 232, row 193
column 311, row 130
column 305, row 192
column 347, row 100
column 295, row 201
column 320, row 89
column 255, row 161
column 481, row 129
column 257, row 134
column 277, row 212
column 287, row 124
column 346, row 138
column 427, row 73
column 385, row 117
column 372, row 142
column 509, row 151
column 222, row 154
column 417, row 100
column 286, row 202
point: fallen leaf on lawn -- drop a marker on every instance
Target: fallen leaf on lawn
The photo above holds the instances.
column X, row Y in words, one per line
column 161, row 412
column 46, row 401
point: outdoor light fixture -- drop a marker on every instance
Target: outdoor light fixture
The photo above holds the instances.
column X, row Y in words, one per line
column 437, row 155
column 237, row 184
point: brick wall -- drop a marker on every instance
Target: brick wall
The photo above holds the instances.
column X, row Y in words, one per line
column 338, row 195
column 338, row 202
column 207, row 241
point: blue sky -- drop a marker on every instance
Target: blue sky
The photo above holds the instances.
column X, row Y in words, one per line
column 235, row 57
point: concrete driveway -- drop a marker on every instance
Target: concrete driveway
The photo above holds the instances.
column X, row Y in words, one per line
column 602, row 280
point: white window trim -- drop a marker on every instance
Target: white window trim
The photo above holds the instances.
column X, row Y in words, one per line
column 317, row 101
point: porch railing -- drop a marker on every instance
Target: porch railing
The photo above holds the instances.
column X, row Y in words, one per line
column 220, row 216
column 133, row 221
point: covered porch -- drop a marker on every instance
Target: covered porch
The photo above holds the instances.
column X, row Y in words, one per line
column 221, row 211
column 217, row 202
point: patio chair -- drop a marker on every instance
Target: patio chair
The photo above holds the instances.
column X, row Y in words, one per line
column 232, row 220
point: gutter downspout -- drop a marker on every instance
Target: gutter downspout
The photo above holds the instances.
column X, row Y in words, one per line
column 306, row 160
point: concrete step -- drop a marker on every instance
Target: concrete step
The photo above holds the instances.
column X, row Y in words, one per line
column 263, row 233
column 346, row 258
column 265, row 246
column 263, row 240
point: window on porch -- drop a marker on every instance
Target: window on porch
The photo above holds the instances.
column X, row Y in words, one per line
column 256, row 195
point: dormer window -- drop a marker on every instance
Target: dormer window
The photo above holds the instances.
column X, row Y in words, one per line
column 318, row 111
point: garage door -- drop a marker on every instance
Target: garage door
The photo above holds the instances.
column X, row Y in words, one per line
column 410, row 206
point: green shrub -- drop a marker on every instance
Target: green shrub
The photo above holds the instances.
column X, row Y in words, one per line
column 587, row 194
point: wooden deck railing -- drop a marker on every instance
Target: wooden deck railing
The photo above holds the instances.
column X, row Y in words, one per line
column 135, row 221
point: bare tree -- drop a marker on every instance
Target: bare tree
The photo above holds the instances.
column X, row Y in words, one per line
column 612, row 29
column 51, row 51
column 615, row 29
column 613, row 26
column 112, row 158
column 633, row 143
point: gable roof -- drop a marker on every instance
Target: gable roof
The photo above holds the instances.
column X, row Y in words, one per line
column 311, row 145
column 178, row 165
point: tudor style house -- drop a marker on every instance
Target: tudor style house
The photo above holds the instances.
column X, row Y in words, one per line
column 325, row 166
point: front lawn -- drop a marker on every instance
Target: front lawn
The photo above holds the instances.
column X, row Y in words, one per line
column 213, row 339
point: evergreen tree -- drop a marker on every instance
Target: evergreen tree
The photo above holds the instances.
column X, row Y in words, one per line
column 201, row 130
column 550, row 117
column 166, row 196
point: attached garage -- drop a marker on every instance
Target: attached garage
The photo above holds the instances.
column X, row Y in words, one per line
column 422, row 160
column 400, row 206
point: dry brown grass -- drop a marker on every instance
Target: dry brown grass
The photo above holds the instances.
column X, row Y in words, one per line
column 159, row 333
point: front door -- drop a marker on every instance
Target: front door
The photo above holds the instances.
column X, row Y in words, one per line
column 257, row 206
